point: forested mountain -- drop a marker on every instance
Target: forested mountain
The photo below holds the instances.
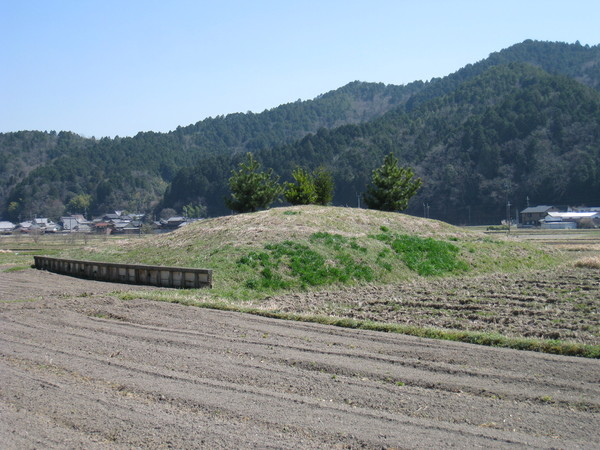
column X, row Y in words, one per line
column 522, row 123
column 41, row 171
column 512, row 132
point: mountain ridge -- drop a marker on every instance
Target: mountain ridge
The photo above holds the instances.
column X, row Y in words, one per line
column 133, row 173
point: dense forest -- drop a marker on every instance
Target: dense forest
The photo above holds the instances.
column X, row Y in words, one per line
column 522, row 125
column 42, row 171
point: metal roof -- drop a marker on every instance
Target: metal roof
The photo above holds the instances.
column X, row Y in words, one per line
column 537, row 209
column 573, row 214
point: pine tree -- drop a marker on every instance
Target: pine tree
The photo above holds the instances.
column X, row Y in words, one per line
column 391, row 186
column 324, row 186
column 252, row 189
column 303, row 191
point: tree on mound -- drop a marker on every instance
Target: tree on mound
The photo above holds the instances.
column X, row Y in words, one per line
column 391, row 186
column 251, row 188
column 310, row 188
column 324, row 186
column 303, row 191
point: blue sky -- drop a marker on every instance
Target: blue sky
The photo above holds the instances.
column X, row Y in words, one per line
column 117, row 67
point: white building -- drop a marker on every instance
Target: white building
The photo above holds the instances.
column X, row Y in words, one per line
column 6, row 227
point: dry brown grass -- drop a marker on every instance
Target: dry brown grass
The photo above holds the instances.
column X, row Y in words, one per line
column 279, row 224
column 591, row 247
column 590, row 262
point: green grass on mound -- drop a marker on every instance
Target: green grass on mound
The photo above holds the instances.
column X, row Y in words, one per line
column 256, row 255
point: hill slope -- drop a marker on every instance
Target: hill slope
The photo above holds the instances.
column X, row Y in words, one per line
column 41, row 172
column 514, row 132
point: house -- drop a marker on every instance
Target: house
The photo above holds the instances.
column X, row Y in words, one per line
column 46, row 225
column 119, row 226
column 556, row 223
column 173, row 222
column 111, row 217
column 25, row 227
column 76, row 222
column 571, row 217
column 39, row 225
column 6, row 227
column 533, row 214
column 133, row 227
column 103, row 227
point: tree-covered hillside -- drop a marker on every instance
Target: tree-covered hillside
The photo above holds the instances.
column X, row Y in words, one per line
column 511, row 133
column 41, row 171
column 463, row 133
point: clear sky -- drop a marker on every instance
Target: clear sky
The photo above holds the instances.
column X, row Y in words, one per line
column 117, row 67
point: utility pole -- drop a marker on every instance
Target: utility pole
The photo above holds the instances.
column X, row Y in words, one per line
column 508, row 216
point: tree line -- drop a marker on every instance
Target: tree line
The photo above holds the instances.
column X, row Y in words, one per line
column 252, row 188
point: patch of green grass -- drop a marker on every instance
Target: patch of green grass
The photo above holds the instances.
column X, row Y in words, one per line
column 100, row 315
column 23, row 300
column 16, row 268
column 426, row 256
column 336, row 241
column 498, row 228
column 291, row 264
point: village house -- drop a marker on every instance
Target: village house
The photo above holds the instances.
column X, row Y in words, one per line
column 6, row 227
column 119, row 223
column 533, row 214
column 38, row 225
column 75, row 223
column 571, row 219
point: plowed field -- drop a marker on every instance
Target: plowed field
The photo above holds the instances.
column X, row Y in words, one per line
column 81, row 368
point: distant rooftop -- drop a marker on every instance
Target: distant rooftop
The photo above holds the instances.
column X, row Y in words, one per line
column 537, row 209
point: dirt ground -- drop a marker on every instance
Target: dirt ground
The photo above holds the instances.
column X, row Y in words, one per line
column 82, row 369
column 563, row 303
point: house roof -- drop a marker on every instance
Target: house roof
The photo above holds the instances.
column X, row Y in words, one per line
column 75, row 217
column 537, row 209
column 133, row 224
column 6, row 225
column 573, row 214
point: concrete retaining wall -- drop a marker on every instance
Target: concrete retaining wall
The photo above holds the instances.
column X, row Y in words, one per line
column 176, row 277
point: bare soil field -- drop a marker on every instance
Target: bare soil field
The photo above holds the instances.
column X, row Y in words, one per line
column 563, row 304
column 81, row 368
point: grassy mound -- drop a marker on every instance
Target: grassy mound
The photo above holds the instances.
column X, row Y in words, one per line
column 298, row 248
